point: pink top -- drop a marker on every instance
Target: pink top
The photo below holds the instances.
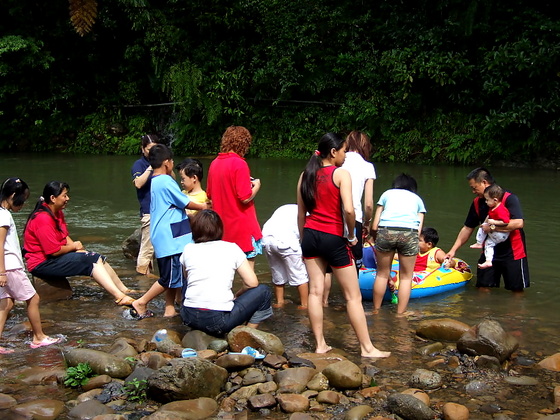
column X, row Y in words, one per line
column 229, row 183
column 327, row 214
column 42, row 237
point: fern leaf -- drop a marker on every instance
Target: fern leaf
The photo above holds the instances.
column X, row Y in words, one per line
column 82, row 15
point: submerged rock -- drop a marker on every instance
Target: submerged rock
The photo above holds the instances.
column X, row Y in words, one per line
column 199, row 408
column 445, row 329
column 101, row 363
column 409, row 407
column 425, row 379
column 551, row 363
column 44, row 409
column 488, row 338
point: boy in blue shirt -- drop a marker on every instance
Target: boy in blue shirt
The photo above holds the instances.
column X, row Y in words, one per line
column 170, row 231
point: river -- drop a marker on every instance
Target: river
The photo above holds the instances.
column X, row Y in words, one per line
column 103, row 211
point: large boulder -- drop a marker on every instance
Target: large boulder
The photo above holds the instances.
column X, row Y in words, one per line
column 186, row 379
column 488, row 338
column 101, row 363
column 243, row 336
column 441, row 329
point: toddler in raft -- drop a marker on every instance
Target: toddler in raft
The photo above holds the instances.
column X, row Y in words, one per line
column 498, row 216
column 14, row 283
column 430, row 257
column 191, row 173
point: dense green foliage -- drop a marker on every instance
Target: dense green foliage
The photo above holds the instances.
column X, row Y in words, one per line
column 430, row 81
column 78, row 375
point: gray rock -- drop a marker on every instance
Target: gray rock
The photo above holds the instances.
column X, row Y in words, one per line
column 521, row 380
column 425, row 379
column 318, row 383
column 244, row 336
column 293, row 380
column 140, row 373
column 343, row 375
column 253, row 376
column 131, row 245
column 218, row 345
column 430, row 348
column 197, row 340
column 121, row 348
column 185, row 379
column 488, row 338
column 476, row 387
column 89, row 409
column 488, row 362
column 101, row 363
column 444, row 329
column 409, row 407
column 257, row 402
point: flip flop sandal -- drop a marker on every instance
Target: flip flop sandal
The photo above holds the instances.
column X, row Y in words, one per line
column 252, row 352
column 135, row 315
column 47, row 341
column 188, row 352
column 4, row 350
column 125, row 301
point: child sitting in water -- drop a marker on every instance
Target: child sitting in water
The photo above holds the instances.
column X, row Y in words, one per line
column 498, row 216
column 191, row 173
column 14, row 283
column 430, row 257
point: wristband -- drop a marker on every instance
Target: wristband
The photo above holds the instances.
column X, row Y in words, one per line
column 351, row 239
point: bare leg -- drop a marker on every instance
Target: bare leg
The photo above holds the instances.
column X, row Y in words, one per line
column 303, row 290
column 406, row 267
column 327, row 289
column 141, row 304
column 347, row 277
column 279, row 293
column 102, row 277
column 316, row 268
column 35, row 319
column 251, row 263
column 115, row 278
column 384, row 262
column 170, row 295
column 251, row 325
column 6, row 306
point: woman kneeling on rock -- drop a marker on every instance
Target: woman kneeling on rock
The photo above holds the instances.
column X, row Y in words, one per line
column 210, row 264
column 51, row 253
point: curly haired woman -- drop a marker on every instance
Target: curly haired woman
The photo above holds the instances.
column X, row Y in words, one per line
column 232, row 191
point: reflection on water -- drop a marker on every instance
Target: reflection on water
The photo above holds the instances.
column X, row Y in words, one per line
column 103, row 211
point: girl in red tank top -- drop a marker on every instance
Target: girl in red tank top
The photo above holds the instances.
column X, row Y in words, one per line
column 325, row 193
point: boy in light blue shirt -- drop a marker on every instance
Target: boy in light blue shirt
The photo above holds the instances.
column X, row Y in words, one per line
column 170, row 231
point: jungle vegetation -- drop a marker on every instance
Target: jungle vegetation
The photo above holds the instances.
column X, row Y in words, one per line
column 430, row 80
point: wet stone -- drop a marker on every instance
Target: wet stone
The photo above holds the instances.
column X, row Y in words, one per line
column 477, row 387
column 291, row 403
column 521, row 380
column 97, row 382
column 7, row 401
column 274, row 361
column 453, row 411
column 418, row 393
column 257, row 402
column 44, row 409
column 253, row 376
column 409, row 407
column 343, row 375
column 358, row 412
column 267, row 387
column 329, row 397
column 425, row 379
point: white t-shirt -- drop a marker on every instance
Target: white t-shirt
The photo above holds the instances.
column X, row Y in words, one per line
column 400, row 209
column 12, row 248
column 360, row 171
column 210, row 268
column 282, row 228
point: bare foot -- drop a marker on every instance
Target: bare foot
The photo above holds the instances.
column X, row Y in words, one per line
column 325, row 304
column 323, row 350
column 375, row 311
column 476, row 246
column 376, row 353
column 302, row 307
column 172, row 315
column 406, row 314
column 279, row 304
column 486, row 264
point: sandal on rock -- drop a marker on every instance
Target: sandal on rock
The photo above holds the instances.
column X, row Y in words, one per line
column 125, row 301
column 47, row 341
column 135, row 315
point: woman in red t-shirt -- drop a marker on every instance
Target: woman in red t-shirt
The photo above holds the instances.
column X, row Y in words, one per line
column 50, row 252
column 325, row 192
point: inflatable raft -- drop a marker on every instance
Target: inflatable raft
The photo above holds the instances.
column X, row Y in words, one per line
column 424, row 284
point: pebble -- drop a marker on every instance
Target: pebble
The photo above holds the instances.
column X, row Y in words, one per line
column 521, row 380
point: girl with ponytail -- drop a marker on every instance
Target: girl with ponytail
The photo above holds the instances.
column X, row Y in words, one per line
column 325, row 192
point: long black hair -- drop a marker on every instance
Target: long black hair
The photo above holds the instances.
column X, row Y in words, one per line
column 309, row 178
column 52, row 188
column 16, row 187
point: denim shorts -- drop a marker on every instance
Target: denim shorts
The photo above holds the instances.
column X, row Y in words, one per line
column 402, row 240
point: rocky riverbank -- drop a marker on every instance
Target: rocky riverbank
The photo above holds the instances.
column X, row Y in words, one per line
column 461, row 372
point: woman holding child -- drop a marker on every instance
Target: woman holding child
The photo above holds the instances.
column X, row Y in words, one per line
column 325, row 192
column 50, row 252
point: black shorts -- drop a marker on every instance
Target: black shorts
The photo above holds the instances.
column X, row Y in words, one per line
column 67, row 265
column 515, row 273
column 334, row 249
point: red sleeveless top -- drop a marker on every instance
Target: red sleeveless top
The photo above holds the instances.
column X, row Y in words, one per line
column 327, row 214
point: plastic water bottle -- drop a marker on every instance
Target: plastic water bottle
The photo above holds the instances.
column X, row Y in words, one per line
column 160, row 335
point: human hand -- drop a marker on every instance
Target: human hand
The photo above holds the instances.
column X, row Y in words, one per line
column 208, row 205
column 255, row 183
column 449, row 256
column 486, row 227
column 78, row 246
column 3, row 280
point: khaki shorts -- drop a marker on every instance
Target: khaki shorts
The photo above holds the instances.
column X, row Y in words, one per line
column 402, row 240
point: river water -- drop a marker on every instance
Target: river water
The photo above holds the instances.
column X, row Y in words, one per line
column 103, row 211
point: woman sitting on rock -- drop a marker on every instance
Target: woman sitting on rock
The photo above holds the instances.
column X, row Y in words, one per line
column 210, row 264
column 51, row 253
